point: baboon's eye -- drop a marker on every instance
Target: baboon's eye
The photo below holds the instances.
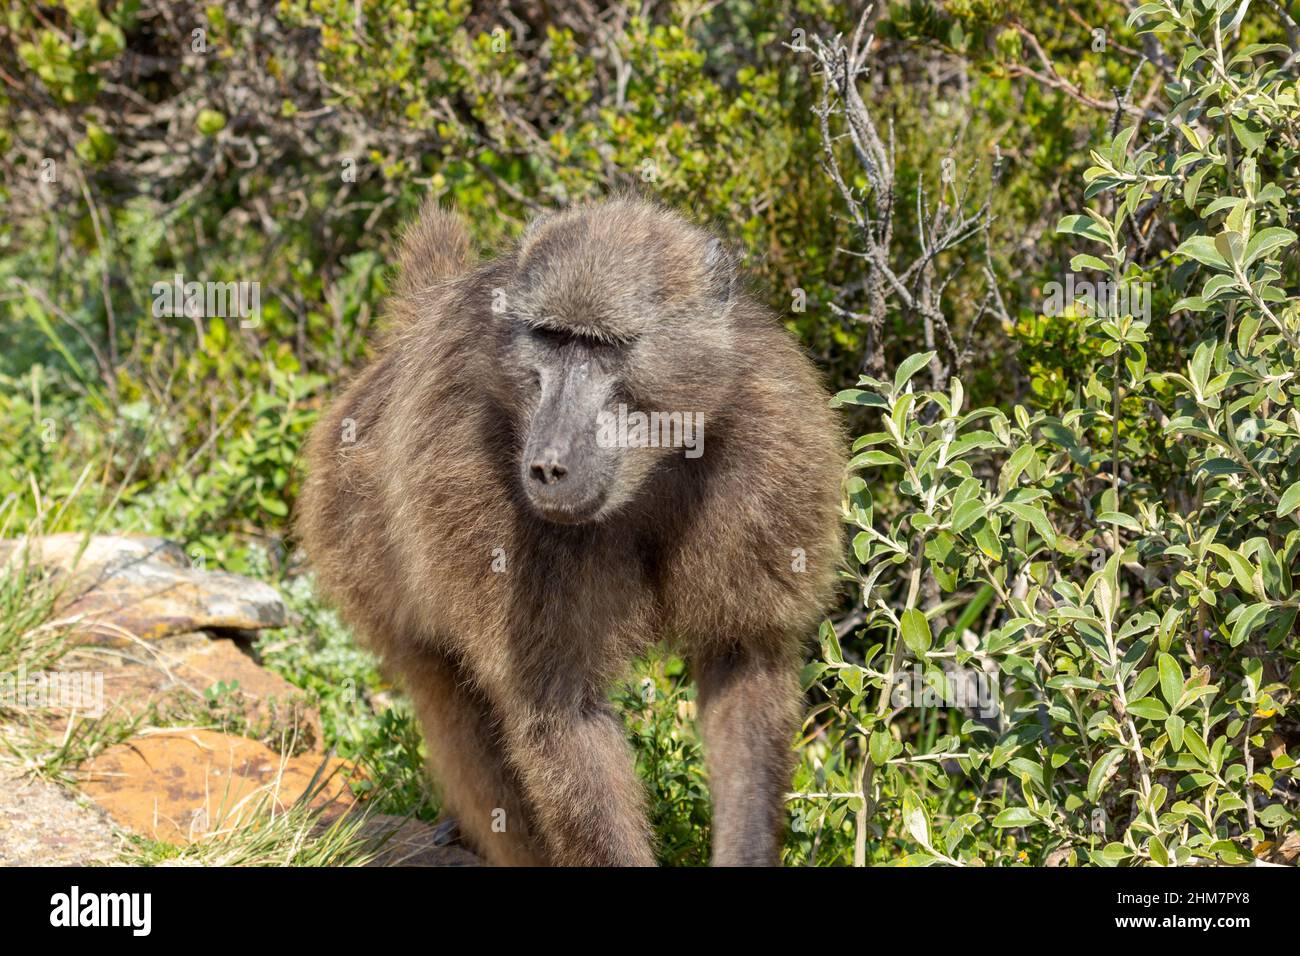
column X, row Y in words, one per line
column 559, row 337
column 549, row 336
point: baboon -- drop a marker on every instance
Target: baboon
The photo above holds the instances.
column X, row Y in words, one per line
column 508, row 565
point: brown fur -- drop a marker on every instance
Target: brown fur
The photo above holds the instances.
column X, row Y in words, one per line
column 509, row 669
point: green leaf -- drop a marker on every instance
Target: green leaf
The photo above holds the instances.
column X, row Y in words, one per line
column 1230, row 245
column 1247, row 622
column 1015, row 465
column 1015, row 817
column 916, row 631
column 914, row 818
column 1265, row 241
column 1250, row 133
column 1192, row 188
column 852, row 678
column 1174, row 727
column 1146, row 10
column 909, row 367
column 966, row 514
column 856, row 396
column 875, row 457
column 1149, row 708
column 1201, row 248
column 1241, row 569
column 275, row 506
column 1105, row 588
column 1086, row 261
column 1193, row 137
column 862, row 547
column 1037, row 519
column 1171, row 679
column 830, row 643
column 1158, row 852
column 1200, row 367
column 1289, row 501
column 879, row 747
column 1119, row 518
column 1082, row 225
column 988, row 541
column 1195, row 303
column 42, row 321
column 1097, row 777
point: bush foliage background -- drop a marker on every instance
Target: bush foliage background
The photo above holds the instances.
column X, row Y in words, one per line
column 1095, row 513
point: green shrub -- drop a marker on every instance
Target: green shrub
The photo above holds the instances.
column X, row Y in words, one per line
column 1141, row 633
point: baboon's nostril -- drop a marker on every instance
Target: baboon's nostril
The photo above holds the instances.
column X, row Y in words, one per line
column 546, row 468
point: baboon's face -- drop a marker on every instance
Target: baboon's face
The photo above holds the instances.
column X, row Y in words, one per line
column 566, row 475
column 597, row 333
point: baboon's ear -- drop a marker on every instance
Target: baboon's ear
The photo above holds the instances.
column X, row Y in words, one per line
column 721, row 266
column 531, row 232
column 537, row 222
column 534, row 227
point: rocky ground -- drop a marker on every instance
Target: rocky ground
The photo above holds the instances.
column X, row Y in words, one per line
column 42, row 824
column 155, row 633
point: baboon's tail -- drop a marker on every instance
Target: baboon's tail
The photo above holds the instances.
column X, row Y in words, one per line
column 435, row 247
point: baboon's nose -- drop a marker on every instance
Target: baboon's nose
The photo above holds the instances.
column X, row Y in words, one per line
column 546, row 467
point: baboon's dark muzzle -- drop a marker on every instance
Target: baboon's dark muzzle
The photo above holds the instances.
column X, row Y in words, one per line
column 565, row 473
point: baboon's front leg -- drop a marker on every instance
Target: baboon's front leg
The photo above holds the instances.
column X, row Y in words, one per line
column 580, row 781
column 749, row 707
column 468, row 762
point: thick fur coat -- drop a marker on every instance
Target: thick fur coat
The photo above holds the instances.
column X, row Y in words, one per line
column 506, row 629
